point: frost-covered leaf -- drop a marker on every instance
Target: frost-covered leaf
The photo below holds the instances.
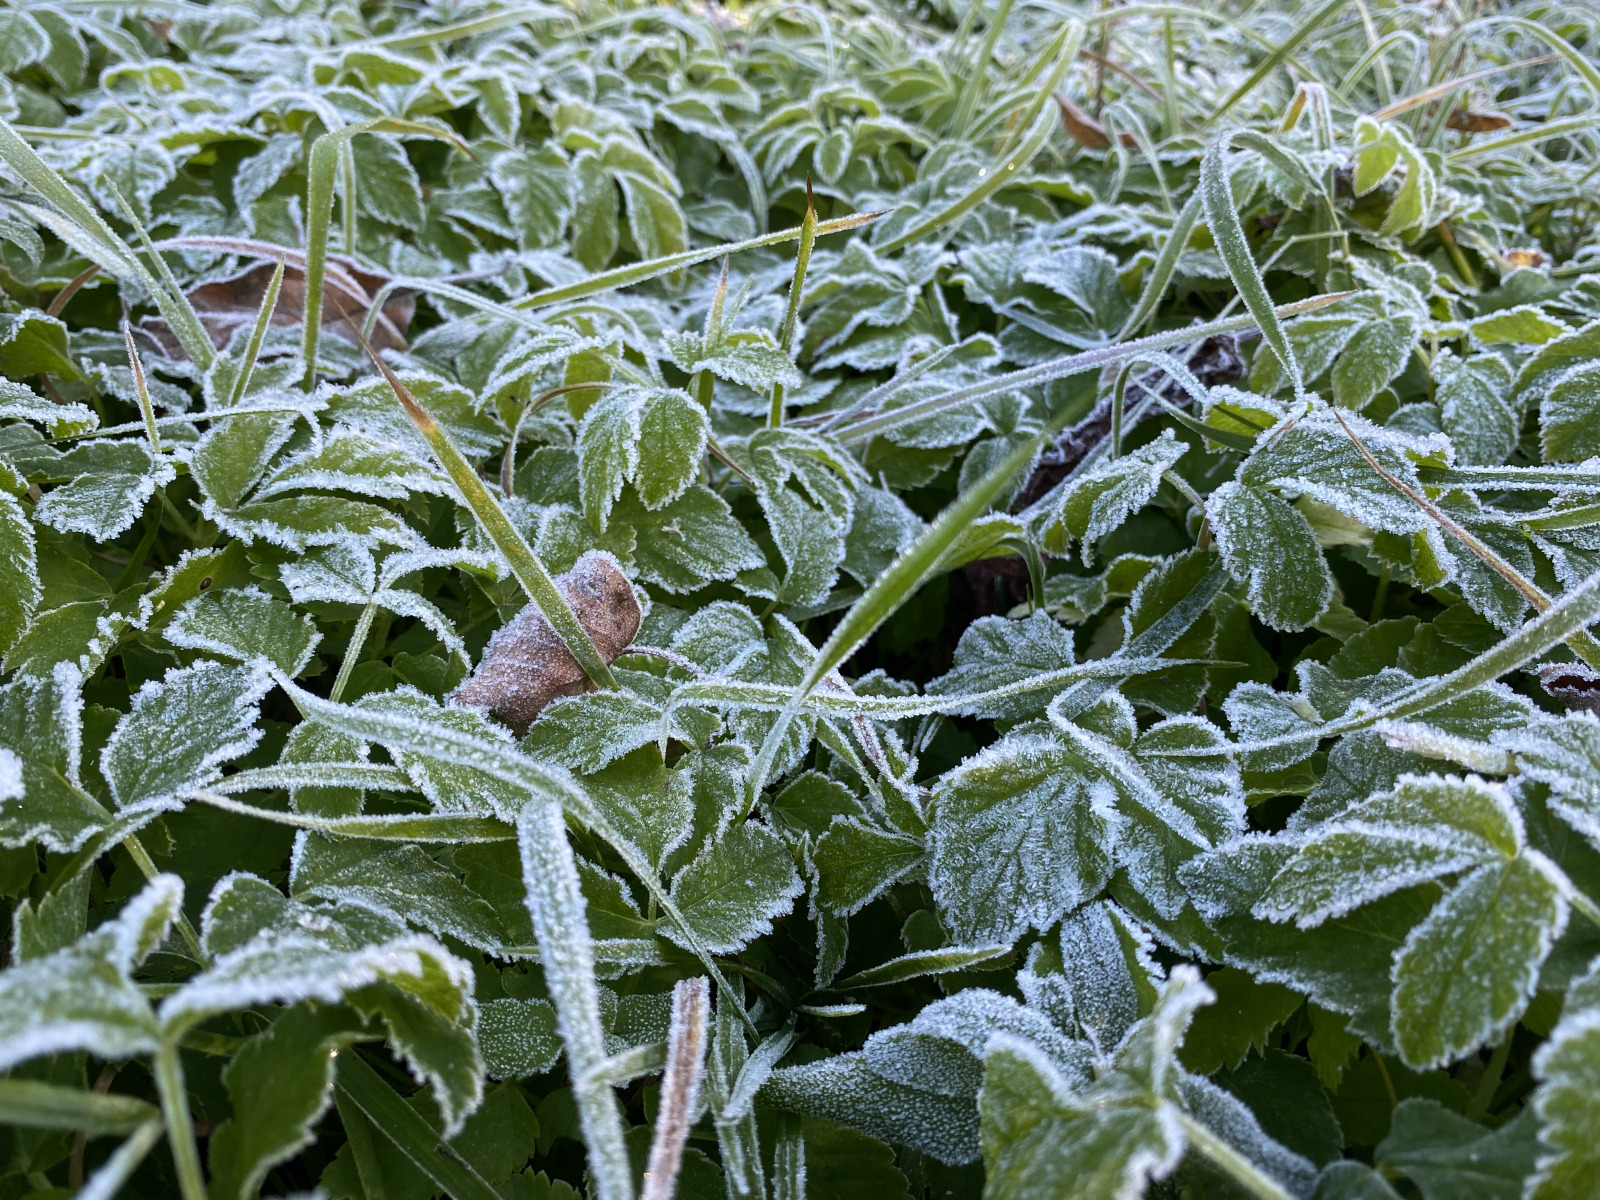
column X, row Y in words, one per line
column 1022, row 835
column 401, row 879
column 1044, row 1134
column 1569, row 415
column 1102, row 498
column 693, row 541
column 246, row 624
column 1475, row 405
column 1568, row 1100
column 280, row 1082
column 1268, row 545
column 83, row 997
column 734, row 888
column 19, row 571
column 41, row 726
column 269, row 949
column 180, row 730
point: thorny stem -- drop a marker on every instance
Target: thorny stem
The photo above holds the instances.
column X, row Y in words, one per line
column 180, row 1125
column 352, row 652
column 1233, row 1164
column 147, row 867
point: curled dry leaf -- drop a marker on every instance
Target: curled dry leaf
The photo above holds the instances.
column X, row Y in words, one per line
column 525, row 666
column 1084, row 129
column 1470, row 120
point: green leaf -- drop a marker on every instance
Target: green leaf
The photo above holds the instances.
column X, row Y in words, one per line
column 1521, row 324
column 1044, row 1137
column 1021, row 835
column 83, row 997
column 1569, row 415
column 41, row 727
column 179, row 732
column 856, row 861
column 1239, row 1020
column 19, row 572
column 280, row 1083
column 1475, row 405
column 1372, row 359
column 1450, row 1158
column 734, row 888
column 1465, row 975
column 1567, row 1099
column 693, row 541
column 34, row 343
column 30, row 1104
column 1268, row 545
column 269, row 949
column 248, row 625
column 1105, row 496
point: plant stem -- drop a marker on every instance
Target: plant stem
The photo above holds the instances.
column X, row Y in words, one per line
column 147, row 867
column 180, row 1126
column 1233, row 1164
column 1490, row 1083
column 352, row 652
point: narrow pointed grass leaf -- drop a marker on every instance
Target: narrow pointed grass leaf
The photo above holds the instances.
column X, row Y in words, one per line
column 526, row 565
column 556, row 904
column 408, row 1131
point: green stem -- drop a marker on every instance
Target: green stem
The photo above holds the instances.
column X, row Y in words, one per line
column 180, row 1126
column 147, row 867
column 1232, row 1164
column 1483, row 1096
column 352, row 652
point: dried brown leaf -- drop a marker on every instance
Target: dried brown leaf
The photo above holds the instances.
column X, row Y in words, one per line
column 526, row 666
column 1468, row 120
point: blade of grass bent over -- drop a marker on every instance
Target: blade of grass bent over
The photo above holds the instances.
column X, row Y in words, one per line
column 526, row 565
column 78, row 224
column 1071, row 364
column 639, row 272
column 1270, row 64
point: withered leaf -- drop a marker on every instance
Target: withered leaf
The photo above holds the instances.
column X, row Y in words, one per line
column 525, row 665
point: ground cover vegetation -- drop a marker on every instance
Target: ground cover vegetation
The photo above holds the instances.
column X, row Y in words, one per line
column 802, row 600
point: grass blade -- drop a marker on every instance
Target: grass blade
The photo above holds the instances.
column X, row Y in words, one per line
column 1586, row 123
column 435, row 828
column 556, row 904
column 34, row 1105
column 680, row 1087
column 1038, row 123
column 654, row 268
column 1072, row 364
column 141, row 388
column 409, row 1131
column 1270, row 64
column 1216, row 193
column 791, row 318
column 1161, row 272
column 258, row 335
column 530, row 571
column 325, row 157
